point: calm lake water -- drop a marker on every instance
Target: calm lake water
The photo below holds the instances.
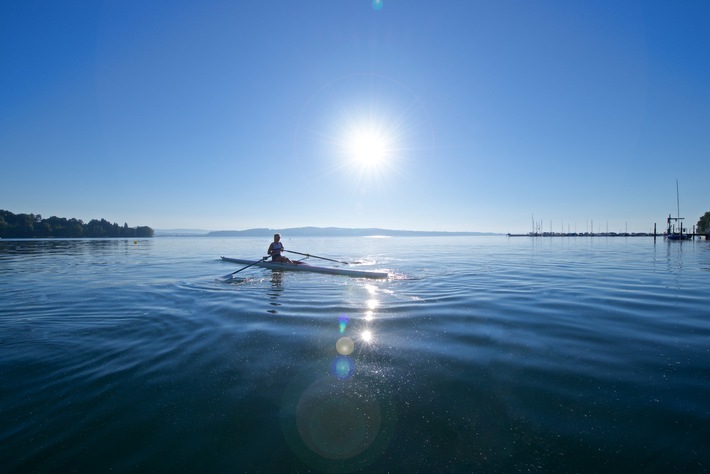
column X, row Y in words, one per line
column 488, row 354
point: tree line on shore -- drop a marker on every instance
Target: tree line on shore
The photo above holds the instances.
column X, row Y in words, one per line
column 33, row 226
column 703, row 226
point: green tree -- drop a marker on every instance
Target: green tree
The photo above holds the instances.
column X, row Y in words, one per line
column 25, row 225
column 703, row 225
column 34, row 226
column 144, row 231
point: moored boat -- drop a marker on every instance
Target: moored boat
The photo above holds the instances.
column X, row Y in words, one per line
column 304, row 267
column 678, row 236
column 674, row 229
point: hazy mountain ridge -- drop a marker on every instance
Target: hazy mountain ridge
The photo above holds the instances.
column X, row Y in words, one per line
column 337, row 232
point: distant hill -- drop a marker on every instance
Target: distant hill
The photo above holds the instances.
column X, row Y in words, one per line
column 180, row 232
column 338, row 232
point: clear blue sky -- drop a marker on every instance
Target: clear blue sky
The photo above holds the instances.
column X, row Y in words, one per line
column 238, row 114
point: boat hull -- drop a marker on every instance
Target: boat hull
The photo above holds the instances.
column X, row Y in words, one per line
column 304, row 267
column 679, row 236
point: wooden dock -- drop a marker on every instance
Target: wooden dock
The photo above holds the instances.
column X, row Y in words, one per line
column 655, row 234
column 693, row 235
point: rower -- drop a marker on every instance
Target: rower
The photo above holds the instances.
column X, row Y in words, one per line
column 275, row 250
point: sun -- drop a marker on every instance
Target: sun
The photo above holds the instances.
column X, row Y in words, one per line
column 369, row 150
column 368, row 147
column 367, row 132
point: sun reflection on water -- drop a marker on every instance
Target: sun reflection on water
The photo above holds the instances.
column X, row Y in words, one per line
column 343, row 418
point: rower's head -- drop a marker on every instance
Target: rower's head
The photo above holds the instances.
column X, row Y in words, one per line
column 277, row 237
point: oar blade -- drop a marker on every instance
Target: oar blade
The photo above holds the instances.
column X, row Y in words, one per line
column 234, row 279
column 227, row 278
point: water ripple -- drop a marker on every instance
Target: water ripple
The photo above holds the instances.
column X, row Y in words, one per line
column 545, row 355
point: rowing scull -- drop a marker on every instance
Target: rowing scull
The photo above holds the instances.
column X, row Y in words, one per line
column 304, row 267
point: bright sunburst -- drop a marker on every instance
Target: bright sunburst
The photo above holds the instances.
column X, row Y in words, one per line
column 363, row 132
column 368, row 148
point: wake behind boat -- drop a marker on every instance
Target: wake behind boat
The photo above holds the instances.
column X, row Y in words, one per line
column 304, row 267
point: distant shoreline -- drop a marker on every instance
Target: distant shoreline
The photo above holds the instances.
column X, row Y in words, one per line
column 317, row 232
column 601, row 234
column 585, row 234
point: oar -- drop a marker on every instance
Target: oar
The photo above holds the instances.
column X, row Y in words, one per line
column 229, row 277
column 316, row 256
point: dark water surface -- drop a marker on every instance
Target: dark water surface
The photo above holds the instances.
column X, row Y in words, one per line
column 479, row 354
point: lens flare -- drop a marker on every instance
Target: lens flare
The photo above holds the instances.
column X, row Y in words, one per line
column 366, row 335
column 343, row 322
column 338, row 424
column 343, row 367
column 345, row 346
